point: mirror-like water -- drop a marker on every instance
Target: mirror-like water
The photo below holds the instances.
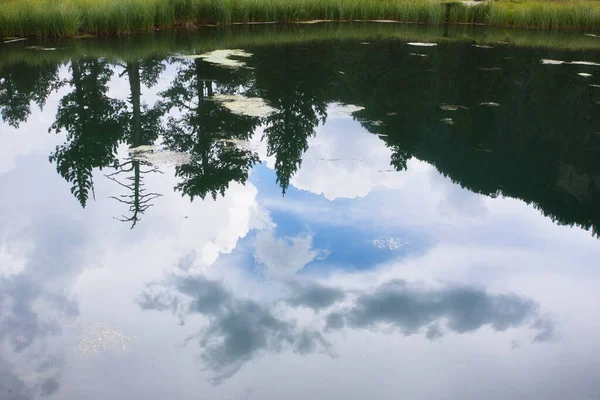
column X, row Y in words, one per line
column 345, row 218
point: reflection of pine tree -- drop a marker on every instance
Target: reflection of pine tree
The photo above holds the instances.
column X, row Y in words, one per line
column 294, row 83
column 207, row 131
column 20, row 84
column 93, row 123
column 143, row 128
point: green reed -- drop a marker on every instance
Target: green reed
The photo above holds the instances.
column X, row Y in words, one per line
column 545, row 15
column 69, row 17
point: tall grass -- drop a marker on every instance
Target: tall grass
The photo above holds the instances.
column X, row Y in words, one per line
column 546, row 15
column 68, row 17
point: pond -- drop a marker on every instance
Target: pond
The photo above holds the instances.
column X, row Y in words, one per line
column 254, row 215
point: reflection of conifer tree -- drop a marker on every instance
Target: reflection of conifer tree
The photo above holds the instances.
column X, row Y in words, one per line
column 143, row 128
column 208, row 131
column 93, row 123
column 294, row 83
column 20, row 84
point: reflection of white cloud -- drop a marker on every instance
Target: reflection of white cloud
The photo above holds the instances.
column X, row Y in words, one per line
column 234, row 216
column 456, row 202
column 12, row 261
column 338, row 110
column 206, row 228
column 239, row 329
column 283, row 257
column 344, row 161
column 410, row 308
column 13, row 148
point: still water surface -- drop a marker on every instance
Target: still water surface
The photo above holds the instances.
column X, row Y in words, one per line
column 332, row 219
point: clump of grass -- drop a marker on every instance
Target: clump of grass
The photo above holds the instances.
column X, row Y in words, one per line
column 35, row 18
column 459, row 13
column 545, row 15
column 67, row 17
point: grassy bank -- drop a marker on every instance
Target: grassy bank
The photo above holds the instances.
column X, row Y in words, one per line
column 72, row 17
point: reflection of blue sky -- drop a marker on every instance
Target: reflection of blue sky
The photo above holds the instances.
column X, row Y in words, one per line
column 349, row 246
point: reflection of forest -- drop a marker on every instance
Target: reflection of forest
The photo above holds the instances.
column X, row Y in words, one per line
column 541, row 144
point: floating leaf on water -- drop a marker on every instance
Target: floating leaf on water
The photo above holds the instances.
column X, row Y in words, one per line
column 365, row 43
column 313, row 21
column 482, row 46
column 418, row 54
column 489, row 104
column 253, row 23
column 145, row 148
column 383, row 21
column 447, row 107
column 591, row 35
column 188, row 57
column 389, row 243
column 162, row 157
column 421, row 44
column 584, row 74
column 342, row 72
column 332, row 160
column 451, row 107
column 220, row 57
column 242, row 105
column 42, row 48
column 100, row 337
column 448, row 121
column 242, row 144
column 14, row 40
column 559, row 62
column 594, row 85
column 585, row 63
column 546, row 61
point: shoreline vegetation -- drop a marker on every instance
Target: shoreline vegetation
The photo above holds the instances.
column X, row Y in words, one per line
column 167, row 43
column 68, row 18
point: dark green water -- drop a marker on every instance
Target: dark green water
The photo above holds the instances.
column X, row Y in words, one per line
column 327, row 219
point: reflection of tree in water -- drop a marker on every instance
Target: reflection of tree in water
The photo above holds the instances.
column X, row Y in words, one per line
column 206, row 130
column 143, row 128
column 540, row 145
column 295, row 83
column 94, row 124
column 20, row 84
